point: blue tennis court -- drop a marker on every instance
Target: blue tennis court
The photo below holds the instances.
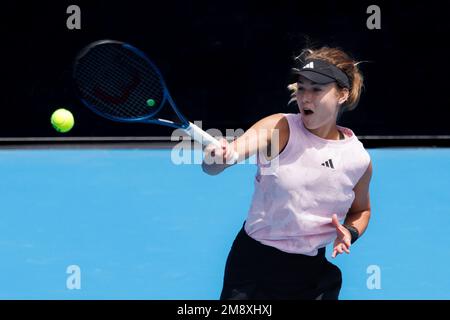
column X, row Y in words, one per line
column 135, row 234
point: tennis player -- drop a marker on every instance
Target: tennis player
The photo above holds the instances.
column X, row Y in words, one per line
column 322, row 177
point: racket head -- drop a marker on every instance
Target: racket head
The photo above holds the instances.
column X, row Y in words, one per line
column 116, row 81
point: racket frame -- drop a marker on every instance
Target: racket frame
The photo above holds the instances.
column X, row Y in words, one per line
column 191, row 129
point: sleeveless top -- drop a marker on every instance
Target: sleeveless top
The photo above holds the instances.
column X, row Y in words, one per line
column 297, row 192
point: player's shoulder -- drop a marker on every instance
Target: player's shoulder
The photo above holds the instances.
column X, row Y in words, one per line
column 274, row 121
column 363, row 158
column 362, row 149
column 278, row 128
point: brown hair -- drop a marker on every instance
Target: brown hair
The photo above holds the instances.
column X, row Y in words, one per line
column 341, row 60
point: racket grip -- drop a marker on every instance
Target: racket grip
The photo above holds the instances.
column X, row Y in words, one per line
column 205, row 138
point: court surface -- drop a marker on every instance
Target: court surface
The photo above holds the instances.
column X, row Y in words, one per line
column 140, row 227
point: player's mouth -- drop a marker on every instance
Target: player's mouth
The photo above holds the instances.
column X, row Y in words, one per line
column 307, row 111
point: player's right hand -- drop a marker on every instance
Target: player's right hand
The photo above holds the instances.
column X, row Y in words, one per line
column 218, row 155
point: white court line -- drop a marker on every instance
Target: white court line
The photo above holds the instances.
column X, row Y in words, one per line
column 173, row 139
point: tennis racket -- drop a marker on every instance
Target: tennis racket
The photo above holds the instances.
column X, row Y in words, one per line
column 119, row 82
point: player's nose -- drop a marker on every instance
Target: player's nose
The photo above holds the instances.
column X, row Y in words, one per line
column 306, row 97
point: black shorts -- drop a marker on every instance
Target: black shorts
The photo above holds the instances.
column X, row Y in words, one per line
column 259, row 272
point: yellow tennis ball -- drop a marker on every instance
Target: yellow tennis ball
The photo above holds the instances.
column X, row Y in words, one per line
column 62, row 120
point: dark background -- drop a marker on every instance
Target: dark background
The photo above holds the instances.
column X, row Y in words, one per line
column 228, row 63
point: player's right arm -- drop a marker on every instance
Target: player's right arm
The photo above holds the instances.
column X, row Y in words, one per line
column 269, row 135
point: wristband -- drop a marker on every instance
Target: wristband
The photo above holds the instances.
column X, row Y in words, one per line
column 353, row 232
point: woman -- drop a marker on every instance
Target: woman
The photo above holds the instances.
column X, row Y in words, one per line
column 321, row 177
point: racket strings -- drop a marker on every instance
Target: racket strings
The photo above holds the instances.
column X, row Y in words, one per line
column 87, row 75
column 118, row 77
column 122, row 101
column 118, row 82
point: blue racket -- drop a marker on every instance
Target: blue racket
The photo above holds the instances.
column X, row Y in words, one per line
column 119, row 82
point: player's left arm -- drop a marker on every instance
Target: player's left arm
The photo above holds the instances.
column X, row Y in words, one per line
column 359, row 214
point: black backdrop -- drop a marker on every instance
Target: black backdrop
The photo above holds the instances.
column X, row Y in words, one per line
column 228, row 63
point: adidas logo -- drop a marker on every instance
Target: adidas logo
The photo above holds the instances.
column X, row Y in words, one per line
column 328, row 164
column 309, row 65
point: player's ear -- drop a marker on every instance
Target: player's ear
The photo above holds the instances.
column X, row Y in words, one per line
column 343, row 95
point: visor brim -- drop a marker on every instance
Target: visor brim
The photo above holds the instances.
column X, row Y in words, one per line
column 316, row 77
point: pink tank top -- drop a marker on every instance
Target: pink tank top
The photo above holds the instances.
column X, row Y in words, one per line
column 297, row 192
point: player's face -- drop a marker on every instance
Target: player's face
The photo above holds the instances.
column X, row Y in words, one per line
column 321, row 99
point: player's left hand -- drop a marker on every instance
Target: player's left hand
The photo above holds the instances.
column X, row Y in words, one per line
column 342, row 242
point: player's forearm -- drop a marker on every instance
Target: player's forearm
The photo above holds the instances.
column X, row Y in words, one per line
column 359, row 220
column 249, row 143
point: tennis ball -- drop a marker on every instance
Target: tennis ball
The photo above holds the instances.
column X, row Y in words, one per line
column 62, row 120
column 151, row 102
